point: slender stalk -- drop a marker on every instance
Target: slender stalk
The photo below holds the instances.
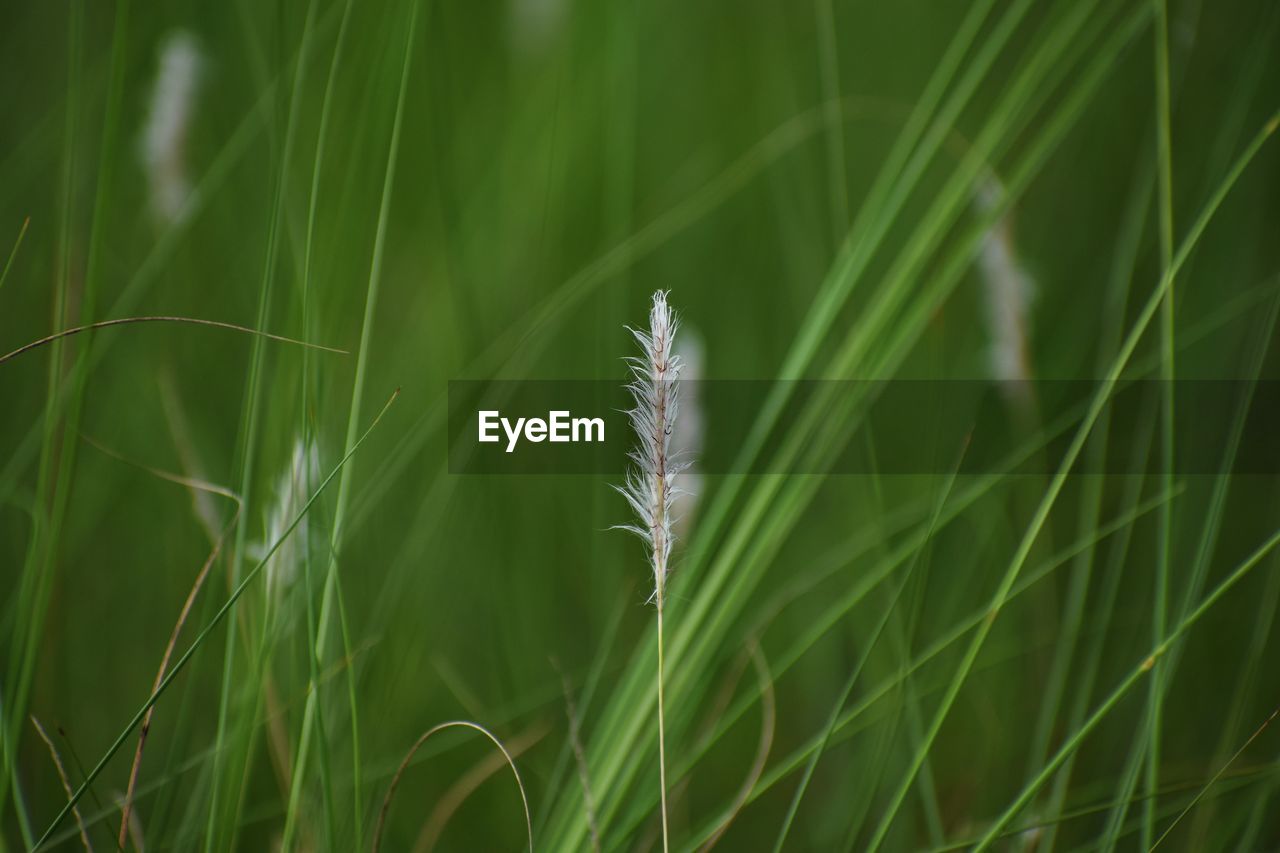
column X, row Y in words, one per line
column 1216, row 776
column 313, row 659
column 650, row 486
column 662, row 733
column 66, row 785
column 30, row 610
column 22, row 232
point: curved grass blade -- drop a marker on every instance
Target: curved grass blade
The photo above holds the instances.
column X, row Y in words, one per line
column 404, row 765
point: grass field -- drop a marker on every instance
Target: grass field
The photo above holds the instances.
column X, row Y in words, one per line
column 238, row 579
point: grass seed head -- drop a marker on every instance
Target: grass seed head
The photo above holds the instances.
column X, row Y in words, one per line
column 650, row 486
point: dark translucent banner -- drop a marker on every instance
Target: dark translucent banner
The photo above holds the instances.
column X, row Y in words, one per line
column 863, row 427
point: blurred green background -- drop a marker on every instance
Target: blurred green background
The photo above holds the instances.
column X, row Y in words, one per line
column 476, row 190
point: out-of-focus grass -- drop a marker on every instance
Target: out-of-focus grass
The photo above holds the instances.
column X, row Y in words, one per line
column 456, row 190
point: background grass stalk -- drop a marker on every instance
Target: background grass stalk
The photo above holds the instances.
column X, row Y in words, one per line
column 357, row 395
column 232, row 739
column 1160, row 600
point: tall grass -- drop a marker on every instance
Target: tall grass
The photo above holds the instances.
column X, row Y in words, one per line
column 1070, row 659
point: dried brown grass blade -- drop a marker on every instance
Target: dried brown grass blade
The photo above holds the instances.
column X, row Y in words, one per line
column 193, row 321
column 66, row 783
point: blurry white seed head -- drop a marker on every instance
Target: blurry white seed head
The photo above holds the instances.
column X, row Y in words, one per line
column 165, row 134
column 293, row 488
column 534, row 24
column 1007, row 294
column 687, row 433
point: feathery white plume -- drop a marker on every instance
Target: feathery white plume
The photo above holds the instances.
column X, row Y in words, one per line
column 650, row 488
column 164, row 138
